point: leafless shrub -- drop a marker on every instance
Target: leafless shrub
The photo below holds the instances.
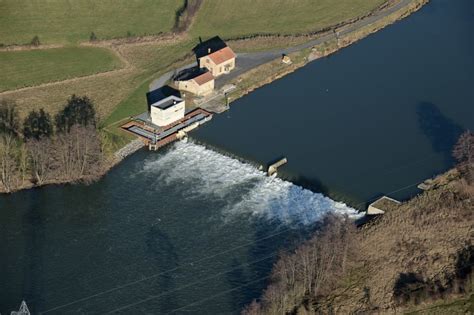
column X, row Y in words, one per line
column 8, row 161
column 463, row 152
column 41, row 161
column 311, row 271
column 78, row 153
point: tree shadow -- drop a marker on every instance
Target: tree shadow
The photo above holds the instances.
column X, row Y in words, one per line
column 164, row 253
column 313, row 184
column 439, row 129
column 408, row 287
column 33, row 282
column 237, row 279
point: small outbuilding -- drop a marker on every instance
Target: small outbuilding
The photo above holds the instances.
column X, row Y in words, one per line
column 200, row 84
column 286, row 59
column 216, row 56
column 218, row 62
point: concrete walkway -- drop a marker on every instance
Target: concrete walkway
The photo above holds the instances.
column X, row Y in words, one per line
column 249, row 61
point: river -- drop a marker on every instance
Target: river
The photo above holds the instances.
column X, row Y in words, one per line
column 375, row 118
column 192, row 230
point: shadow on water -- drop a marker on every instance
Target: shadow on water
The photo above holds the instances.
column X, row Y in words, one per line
column 282, row 239
column 261, row 250
column 313, row 184
column 161, row 248
column 439, row 129
column 237, row 278
column 33, row 282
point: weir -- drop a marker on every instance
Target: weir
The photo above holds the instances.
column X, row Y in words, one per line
column 240, row 187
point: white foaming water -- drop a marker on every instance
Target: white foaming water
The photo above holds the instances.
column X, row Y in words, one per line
column 240, row 187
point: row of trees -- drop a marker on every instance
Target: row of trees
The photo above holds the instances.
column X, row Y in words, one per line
column 311, row 271
column 41, row 149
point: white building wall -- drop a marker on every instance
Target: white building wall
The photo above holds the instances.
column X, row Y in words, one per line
column 164, row 117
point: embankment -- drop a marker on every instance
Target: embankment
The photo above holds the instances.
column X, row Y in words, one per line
column 415, row 257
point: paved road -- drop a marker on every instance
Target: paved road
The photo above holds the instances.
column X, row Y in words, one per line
column 248, row 61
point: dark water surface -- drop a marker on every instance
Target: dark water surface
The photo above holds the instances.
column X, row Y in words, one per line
column 193, row 231
column 187, row 226
column 374, row 118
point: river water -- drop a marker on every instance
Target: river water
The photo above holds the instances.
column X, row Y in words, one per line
column 192, row 230
column 375, row 118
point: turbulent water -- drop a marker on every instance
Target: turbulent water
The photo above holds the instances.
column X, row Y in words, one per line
column 242, row 188
column 162, row 232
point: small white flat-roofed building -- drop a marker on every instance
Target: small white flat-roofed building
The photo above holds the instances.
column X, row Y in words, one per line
column 167, row 111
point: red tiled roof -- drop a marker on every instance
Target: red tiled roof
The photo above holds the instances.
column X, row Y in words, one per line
column 222, row 55
column 203, row 78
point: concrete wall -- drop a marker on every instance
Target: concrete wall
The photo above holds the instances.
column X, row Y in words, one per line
column 205, row 88
column 163, row 117
column 373, row 210
column 381, row 205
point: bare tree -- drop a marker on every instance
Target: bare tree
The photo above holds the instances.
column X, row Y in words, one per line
column 78, row 153
column 463, row 152
column 253, row 308
column 39, row 153
column 23, row 162
column 8, row 161
column 311, row 271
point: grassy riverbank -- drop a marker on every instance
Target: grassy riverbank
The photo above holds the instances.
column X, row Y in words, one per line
column 415, row 259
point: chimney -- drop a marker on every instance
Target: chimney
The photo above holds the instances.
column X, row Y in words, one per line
column 209, row 50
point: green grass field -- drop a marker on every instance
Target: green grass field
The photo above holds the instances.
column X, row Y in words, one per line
column 71, row 21
column 154, row 60
column 231, row 18
column 33, row 67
